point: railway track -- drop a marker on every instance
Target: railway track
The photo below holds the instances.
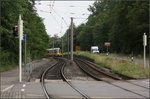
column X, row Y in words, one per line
column 89, row 69
column 59, row 67
column 43, row 83
column 94, row 72
column 121, row 77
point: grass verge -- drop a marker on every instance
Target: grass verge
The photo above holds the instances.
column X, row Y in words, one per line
column 7, row 67
column 118, row 65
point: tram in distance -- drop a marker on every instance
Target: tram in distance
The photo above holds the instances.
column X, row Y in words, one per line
column 54, row 52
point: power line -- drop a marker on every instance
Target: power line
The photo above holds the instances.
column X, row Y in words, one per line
column 54, row 19
column 57, row 13
column 52, row 16
column 61, row 17
column 44, row 11
column 61, row 26
column 78, row 18
column 50, row 5
column 84, row 20
column 53, row 4
column 65, row 22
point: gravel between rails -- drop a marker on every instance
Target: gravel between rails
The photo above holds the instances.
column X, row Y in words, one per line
column 40, row 67
column 73, row 72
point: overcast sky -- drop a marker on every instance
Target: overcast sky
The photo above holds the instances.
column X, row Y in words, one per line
column 57, row 14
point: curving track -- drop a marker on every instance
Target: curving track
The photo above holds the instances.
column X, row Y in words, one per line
column 58, row 73
column 42, row 80
column 94, row 72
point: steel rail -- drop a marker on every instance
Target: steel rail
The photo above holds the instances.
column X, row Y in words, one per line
column 65, row 79
column 119, row 75
column 98, row 70
column 117, row 85
column 42, row 80
column 88, row 73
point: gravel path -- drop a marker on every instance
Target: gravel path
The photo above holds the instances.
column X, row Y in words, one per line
column 11, row 77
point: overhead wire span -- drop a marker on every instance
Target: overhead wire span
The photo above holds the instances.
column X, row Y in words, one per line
column 44, row 11
column 79, row 18
column 50, row 5
column 57, row 13
column 54, row 19
column 65, row 22
column 84, row 20
column 53, row 4
column 61, row 27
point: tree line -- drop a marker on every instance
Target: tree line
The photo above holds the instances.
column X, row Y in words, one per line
column 37, row 38
column 120, row 22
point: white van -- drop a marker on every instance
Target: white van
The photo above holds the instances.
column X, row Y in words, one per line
column 94, row 49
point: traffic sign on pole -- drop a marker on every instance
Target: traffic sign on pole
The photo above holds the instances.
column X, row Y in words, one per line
column 107, row 43
column 144, row 40
column 24, row 37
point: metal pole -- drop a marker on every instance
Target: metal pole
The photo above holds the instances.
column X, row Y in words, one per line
column 53, row 47
column 144, row 57
column 71, row 39
column 144, row 44
column 62, row 46
column 107, row 49
column 68, row 42
column 20, row 60
column 25, row 51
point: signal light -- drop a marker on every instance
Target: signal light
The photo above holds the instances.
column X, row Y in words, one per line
column 15, row 31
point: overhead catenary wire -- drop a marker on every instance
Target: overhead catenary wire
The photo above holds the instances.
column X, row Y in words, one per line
column 53, row 4
column 50, row 5
column 65, row 22
column 44, row 11
column 78, row 18
column 54, row 19
column 61, row 17
column 61, row 26
column 83, row 21
column 52, row 16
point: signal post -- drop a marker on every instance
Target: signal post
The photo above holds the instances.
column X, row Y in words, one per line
column 144, row 45
column 20, row 30
column 107, row 44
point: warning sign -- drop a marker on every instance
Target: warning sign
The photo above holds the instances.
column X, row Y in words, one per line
column 107, row 44
column 77, row 48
